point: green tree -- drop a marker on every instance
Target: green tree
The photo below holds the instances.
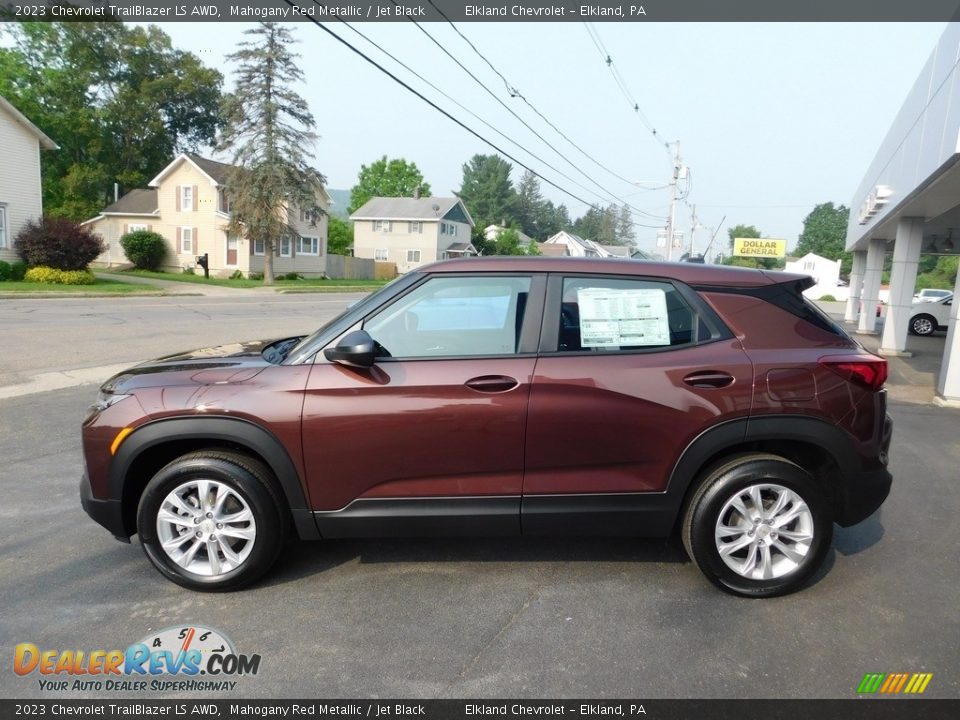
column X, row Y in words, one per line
column 387, row 178
column 508, row 242
column 742, row 231
column 269, row 128
column 487, row 191
column 626, row 235
column 118, row 99
column 590, row 224
column 339, row 236
column 530, row 207
column 825, row 233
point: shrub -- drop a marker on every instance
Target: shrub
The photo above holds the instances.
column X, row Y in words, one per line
column 237, row 275
column 255, row 276
column 827, row 298
column 145, row 249
column 18, row 270
column 5, row 271
column 57, row 243
column 293, row 276
column 53, row 276
column 188, row 270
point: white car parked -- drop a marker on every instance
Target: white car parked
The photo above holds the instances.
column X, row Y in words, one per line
column 930, row 295
column 930, row 315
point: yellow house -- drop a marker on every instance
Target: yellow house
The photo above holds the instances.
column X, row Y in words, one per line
column 186, row 204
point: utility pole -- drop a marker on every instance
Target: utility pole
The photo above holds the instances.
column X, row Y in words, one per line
column 673, row 199
column 693, row 226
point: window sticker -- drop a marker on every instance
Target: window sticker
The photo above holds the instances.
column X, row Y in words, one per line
column 617, row 317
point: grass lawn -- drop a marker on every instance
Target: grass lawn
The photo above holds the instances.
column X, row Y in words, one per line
column 307, row 284
column 100, row 286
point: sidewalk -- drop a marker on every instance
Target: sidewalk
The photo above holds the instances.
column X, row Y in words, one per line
column 172, row 287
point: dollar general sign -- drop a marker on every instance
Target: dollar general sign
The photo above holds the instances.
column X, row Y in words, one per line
column 759, row 247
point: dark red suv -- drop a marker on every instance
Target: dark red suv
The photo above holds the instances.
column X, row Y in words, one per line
column 506, row 397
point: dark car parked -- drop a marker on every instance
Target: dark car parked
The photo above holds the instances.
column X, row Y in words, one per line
column 506, row 397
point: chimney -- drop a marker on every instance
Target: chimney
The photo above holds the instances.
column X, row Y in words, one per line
column 416, row 192
column 116, row 191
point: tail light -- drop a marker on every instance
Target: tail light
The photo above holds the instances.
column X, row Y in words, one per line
column 871, row 371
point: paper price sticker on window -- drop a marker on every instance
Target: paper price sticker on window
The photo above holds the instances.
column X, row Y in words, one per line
column 617, row 317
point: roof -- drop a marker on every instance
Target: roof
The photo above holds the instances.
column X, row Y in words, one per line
column 693, row 273
column 490, row 232
column 135, row 202
column 213, row 169
column 404, row 208
column 461, row 247
column 617, row 250
column 585, row 246
column 45, row 141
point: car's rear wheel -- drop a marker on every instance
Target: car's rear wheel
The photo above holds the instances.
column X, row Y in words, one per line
column 211, row 521
column 757, row 525
column 923, row 324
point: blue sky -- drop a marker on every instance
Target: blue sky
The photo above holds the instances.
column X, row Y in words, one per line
column 772, row 118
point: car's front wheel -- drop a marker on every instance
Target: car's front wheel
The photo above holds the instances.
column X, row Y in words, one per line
column 211, row 521
column 758, row 526
column 923, row 325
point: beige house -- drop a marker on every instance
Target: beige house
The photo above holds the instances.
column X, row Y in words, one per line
column 412, row 231
column 186, row 204
column 20, row 191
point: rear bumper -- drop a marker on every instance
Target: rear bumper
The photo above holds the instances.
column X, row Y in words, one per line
column 865, row 491
column 107, row 513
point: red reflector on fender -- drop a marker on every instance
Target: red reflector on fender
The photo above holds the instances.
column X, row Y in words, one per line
column 870, row 371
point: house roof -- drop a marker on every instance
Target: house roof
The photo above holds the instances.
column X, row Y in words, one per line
column 135, row 202
column 461, row 247
column 490, row 232
column 576, row 242
column 214, row 169
column 617, row 250
column 34, row 130
column 403, row 208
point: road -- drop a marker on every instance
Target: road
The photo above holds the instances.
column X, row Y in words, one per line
column 462, row 618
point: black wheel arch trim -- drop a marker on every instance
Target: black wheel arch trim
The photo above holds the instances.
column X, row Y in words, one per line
column 233, row 431
column 715, row 440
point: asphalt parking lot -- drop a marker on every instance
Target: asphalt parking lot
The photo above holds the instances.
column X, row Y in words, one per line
column 482, row 618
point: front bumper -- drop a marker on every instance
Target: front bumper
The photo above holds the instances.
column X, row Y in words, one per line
column 108, row 513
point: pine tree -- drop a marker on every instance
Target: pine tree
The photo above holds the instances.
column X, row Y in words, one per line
column 269, row 128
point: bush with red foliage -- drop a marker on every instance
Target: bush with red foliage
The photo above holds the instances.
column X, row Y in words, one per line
column 57, row 243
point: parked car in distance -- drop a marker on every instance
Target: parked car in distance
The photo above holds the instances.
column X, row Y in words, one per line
column 508, row 396
column 932, row 295
column 930, row 315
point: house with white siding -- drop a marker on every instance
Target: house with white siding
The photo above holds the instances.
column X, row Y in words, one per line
column 20, row 192
column 187, row 205
column 411, row 232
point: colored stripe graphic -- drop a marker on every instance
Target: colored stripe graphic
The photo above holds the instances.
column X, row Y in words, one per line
column 894, row 683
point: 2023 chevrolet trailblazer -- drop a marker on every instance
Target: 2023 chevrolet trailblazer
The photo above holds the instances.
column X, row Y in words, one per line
column 505, row 397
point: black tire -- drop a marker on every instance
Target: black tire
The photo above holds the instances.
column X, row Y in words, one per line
column 722, row 483
column 247, row 477
column 923, row 324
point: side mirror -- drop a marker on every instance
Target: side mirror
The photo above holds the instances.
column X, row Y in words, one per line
column 356, row 349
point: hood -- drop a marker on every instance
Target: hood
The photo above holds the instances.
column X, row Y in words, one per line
column 236, row 362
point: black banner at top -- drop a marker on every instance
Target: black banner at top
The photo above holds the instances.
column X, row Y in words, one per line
column 481, row 10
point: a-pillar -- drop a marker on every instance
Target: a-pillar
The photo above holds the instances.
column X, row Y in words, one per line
column 870, row 297
column 903, row 278
column 856, row 285
column 948, row 386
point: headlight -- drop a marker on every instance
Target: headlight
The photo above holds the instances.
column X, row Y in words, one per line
column 105, row 400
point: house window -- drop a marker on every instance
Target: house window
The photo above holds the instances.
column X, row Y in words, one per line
column 136, row 228
column 448, row 229
column 224, row 202
column 308, row 245
column 380, row 255
column 285, row 247
column 186, row 241
column 186, row 198
column 413, row 256
column 809, row 265
column 259, row 247
column 3, row 226
column 382, row 225
column 415, row 227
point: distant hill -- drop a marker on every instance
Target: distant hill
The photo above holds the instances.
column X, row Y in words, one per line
column 341, row 201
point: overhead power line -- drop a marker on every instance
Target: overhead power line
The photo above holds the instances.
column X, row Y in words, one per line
column 444, row 112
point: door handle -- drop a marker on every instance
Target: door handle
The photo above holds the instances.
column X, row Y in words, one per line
column 492, row 383
column 708, row 379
